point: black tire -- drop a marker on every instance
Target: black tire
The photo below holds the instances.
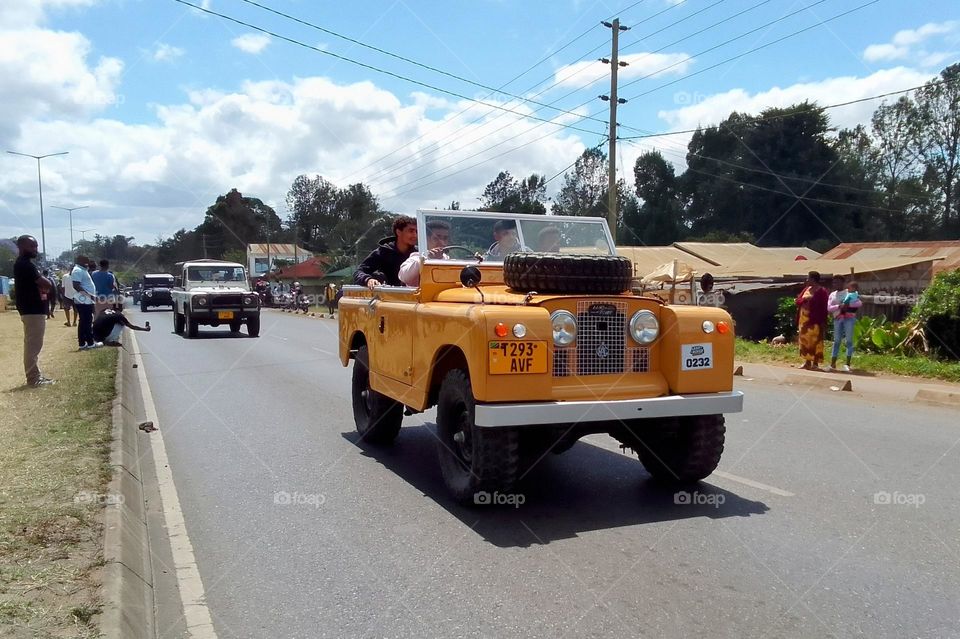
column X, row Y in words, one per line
column 253, row 326
column 143, row 308
column 552, row 273
column 378, row 418
column 472, row 460
column 688, row 452
column 235, row 326
column 193, row 327
column 179, row 322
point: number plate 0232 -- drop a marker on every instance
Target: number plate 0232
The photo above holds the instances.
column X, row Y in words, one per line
column 510, row 358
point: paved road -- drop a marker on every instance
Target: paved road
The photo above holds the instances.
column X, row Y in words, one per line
column 370, row 545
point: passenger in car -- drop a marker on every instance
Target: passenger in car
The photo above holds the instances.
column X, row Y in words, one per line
column 438, row 238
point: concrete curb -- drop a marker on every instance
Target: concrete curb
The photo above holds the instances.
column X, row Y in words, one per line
column 938, row 397
column 127, row 574
column 817, row 381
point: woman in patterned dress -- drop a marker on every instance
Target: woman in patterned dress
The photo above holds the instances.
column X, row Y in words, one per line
column 812, row 321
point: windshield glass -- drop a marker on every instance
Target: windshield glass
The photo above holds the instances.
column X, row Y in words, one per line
column 215, row 274
column 496, row 235
column 151, row 282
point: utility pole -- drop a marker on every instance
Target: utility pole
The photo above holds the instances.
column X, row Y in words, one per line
column 615, row 65
column 43, row 232
column 70, row 212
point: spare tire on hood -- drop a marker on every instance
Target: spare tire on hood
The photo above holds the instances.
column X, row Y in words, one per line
column 572, row 274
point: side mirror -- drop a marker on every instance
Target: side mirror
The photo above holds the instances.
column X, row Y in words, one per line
column 470, row 276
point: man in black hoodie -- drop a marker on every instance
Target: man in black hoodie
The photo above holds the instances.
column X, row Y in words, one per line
column 382, row 266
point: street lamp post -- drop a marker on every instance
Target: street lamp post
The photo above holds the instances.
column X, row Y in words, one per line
column 70, row 211
column 43, row 234
column 83, row 238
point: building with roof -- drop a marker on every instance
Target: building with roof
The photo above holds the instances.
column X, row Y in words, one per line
column 261, row 258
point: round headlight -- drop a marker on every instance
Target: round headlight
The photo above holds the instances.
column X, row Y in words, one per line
column 708, row 326
column 247, row 301
column 644, row 327
column 149, row 293
column 202, row 301
column 564, row 327
column 519, row 331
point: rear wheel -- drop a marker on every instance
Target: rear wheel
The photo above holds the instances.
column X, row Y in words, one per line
column 378, row 418
column 178, row 322
column 473, row 460
column 688, row 452
column 253, row 326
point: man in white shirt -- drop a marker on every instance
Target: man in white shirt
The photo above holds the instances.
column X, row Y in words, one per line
column 84, row 295
column 438, row 238
column 66, row 299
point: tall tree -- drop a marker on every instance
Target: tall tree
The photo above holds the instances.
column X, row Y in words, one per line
column 505, row 194
column 938, row 107
column 234, row 221
column 584, row 190
column 657, row 221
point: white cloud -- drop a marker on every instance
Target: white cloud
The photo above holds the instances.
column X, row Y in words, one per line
column 903, row 41
column 28, row 13
column 166, row 52
column 582, row 74
column 251, row 42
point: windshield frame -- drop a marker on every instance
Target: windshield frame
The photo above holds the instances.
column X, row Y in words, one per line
column 422, row 215
column 239, row 282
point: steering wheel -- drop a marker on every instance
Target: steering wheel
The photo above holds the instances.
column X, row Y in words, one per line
column 473, row 254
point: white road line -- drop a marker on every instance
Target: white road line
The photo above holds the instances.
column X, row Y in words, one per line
column 751, row 483
column 195, row 612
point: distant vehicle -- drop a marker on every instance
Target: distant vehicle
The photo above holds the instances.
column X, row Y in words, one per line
column 213, row 292
column 155, row 291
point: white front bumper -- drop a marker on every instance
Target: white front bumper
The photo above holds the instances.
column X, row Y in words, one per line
column 543, row 413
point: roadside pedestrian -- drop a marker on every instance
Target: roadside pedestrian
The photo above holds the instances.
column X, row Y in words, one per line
column 51, row 295
column 85, row 292
column 108, row 327
column 106, row 285
column 843, row 304
column 812, row 321
column 331, row 295
column 66, row 299
column 382, row 266
column 30, row 285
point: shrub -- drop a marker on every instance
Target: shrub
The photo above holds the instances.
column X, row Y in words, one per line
column 785, row 319
column 942, row 297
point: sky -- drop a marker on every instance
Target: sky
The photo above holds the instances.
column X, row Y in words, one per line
column 163, row 107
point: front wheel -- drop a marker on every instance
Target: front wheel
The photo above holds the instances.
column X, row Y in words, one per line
column 473, row 461
column 686, row 452
column 378, row 417
column 253, row 326
column 193, row 327
column 143, row 308
column 179, row 322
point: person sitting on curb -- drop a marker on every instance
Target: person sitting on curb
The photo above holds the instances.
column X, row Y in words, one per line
column 108, row 327
column 438, row 238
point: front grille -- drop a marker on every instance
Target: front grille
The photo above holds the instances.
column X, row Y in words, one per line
column 601, row 346
column 225, row 300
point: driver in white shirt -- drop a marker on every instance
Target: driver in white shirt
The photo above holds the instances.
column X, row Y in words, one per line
column 438, row 238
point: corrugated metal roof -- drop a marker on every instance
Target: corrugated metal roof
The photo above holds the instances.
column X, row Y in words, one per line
column 800, row 268
column 726, row 253
column 647, row 258
column 949, row 250
column 277, row 249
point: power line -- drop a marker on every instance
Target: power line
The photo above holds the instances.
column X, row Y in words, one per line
column 507, row 83
column 790, row 113
column 379, row 70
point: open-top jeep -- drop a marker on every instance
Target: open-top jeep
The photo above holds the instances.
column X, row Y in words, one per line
column 525, row 336
column 214, row 292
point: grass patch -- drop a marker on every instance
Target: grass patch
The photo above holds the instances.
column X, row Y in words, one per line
column 911, row 366
column 54, row 461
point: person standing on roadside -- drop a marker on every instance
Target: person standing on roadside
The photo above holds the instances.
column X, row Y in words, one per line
column 85, row 292
column 32, row 308
column 66, row 299
column 51, row 295
column 812, row 321
column 106, row 285
column 843, row 304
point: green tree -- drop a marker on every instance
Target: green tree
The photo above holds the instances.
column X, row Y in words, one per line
column 938, row 143
column 657, row 221
column 584, row 190
column 234, row 221
column 507, row 195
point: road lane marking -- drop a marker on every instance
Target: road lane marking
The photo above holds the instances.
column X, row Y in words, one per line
column 196, row 614
column 752, row 483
